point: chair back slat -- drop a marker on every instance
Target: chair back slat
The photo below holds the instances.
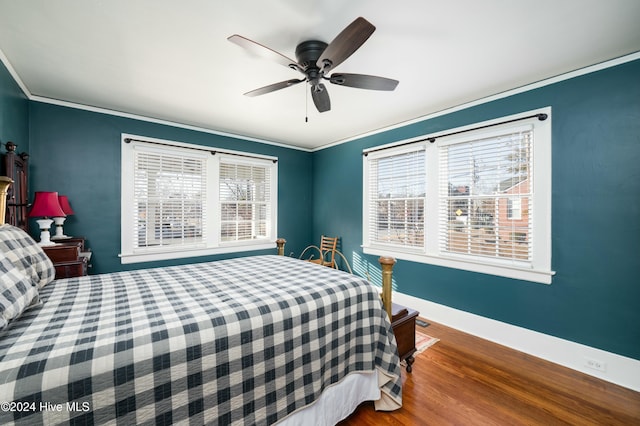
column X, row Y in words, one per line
column 328, row 243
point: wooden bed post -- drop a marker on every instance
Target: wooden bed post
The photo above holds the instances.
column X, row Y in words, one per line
column 4, row 186
column 280, row 243
column 387, row 267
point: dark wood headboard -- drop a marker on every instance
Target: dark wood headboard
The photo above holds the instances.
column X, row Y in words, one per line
column 16, row 167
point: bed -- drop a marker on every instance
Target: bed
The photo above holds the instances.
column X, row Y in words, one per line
column 252, row 340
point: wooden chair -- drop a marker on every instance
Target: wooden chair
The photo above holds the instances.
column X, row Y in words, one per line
column 326, row 251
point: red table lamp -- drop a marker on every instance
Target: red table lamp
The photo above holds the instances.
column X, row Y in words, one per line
column 59, row 220
column 46, row 205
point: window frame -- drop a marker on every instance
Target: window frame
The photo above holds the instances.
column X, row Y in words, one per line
column 212, row 243
column 419, row 150
column 539, row 268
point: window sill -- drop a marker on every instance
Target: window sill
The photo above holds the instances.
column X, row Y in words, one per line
column 508, row 271
column 127, row 258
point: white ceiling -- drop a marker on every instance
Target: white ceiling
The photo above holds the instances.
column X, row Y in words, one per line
column 170, row 60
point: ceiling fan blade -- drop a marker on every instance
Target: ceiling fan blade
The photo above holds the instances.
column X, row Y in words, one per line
column 321, row 97
column 362, row 81
column 264, row 52
column 273, row 87
column 345, row 43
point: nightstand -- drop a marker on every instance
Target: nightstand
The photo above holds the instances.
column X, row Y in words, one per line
column 69, row 257
column 403, row 322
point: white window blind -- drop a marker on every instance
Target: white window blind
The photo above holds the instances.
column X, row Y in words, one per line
column 481, row 180
column 476, row 198
column 169, row 199
column 397, row 198
column 245, row 192
column 181, row 200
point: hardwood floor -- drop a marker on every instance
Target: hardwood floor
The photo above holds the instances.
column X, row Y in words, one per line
column 465, row 380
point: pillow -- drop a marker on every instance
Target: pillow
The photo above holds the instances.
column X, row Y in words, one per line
column 26, row 255
column 17, row 293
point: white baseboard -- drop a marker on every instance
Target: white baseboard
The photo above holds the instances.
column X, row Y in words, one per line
column 619, row 369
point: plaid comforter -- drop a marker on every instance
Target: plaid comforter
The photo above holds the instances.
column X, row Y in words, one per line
column 240, row 341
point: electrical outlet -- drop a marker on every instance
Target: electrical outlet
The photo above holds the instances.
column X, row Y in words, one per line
column 595, row 364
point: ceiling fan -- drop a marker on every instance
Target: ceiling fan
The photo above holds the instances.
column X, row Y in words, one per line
column 315, row 59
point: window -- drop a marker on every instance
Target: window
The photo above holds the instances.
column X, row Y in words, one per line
column 514, row 206
column 397, row 198
column 169, row 196
column 182, row 200
column 476, row 199
column 244, row 201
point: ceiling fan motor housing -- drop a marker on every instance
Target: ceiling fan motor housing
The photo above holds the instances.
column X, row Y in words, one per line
column 308, row 53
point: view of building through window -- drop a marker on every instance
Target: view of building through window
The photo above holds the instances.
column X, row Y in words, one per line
column 487, row 196
column 475, row 198
column 485, row 205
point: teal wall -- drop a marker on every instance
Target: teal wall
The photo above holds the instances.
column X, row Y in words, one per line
column 14, row 113
column 595, row 295
column 77, row 153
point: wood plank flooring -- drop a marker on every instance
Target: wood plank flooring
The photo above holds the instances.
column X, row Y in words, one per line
column 465, row 380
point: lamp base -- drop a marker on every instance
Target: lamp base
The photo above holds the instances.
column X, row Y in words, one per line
column 59, row 221
column 45, row 236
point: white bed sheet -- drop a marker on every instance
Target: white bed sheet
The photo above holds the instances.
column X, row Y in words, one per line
column 338, row 401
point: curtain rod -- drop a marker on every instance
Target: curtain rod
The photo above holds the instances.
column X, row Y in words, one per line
column 432, row 139
column 211, row 150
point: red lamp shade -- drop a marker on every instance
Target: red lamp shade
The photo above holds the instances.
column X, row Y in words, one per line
column 46, row 204
column 64, row 203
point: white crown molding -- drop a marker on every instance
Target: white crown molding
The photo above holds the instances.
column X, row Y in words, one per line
column 67, row 104
column 14, row 74
column 620, row 370
column 163, row 122
column 521, row 89
column 546, row 82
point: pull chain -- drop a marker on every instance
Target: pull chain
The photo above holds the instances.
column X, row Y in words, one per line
column 306, row 106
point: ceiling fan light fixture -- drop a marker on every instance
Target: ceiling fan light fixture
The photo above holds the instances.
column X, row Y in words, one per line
column 316, row 58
